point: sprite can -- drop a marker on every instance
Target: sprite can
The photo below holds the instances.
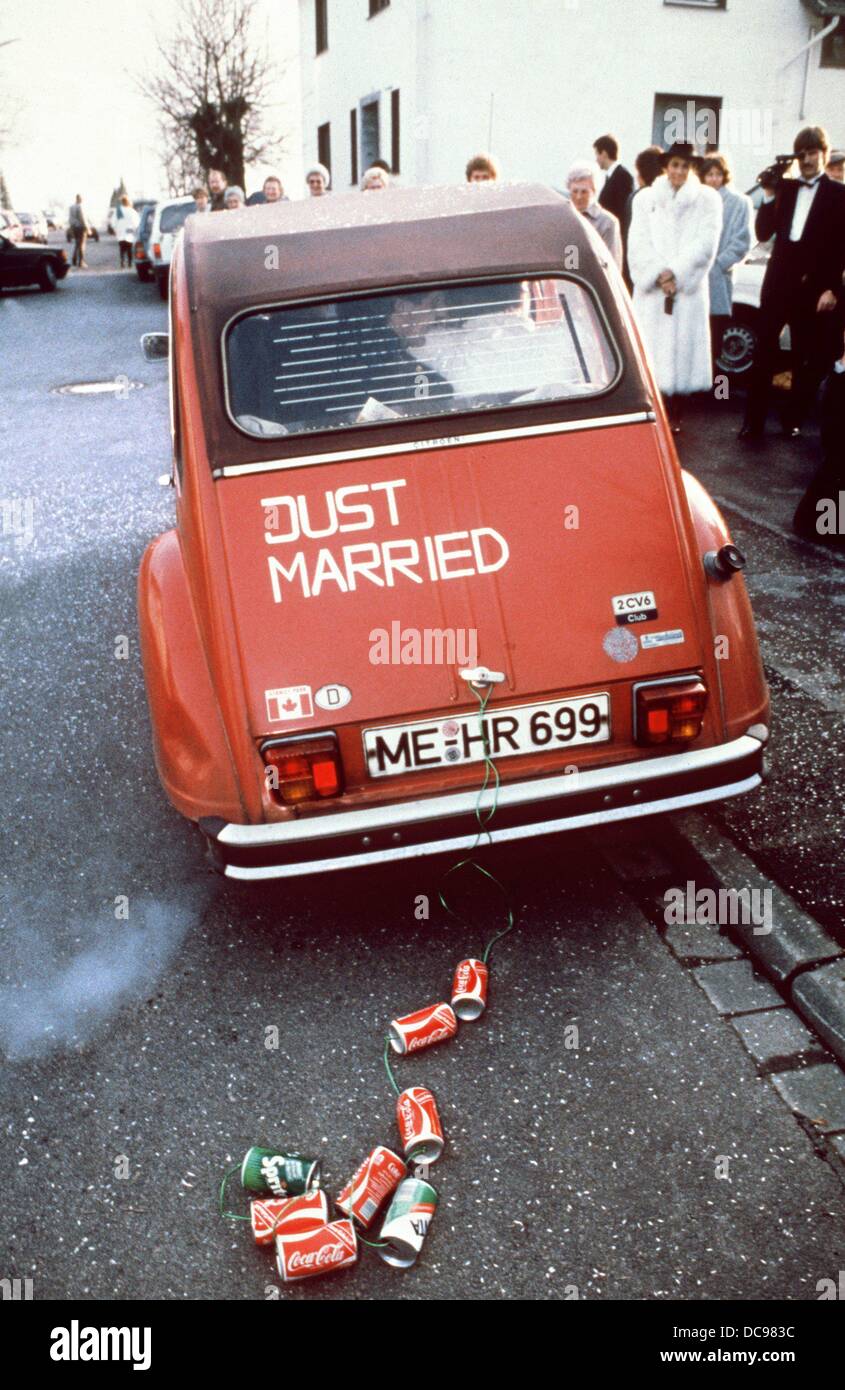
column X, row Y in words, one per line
column 407, row 1221
column 282, row 1174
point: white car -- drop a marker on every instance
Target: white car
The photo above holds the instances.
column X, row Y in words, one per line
column 168, row 220
column 739, row 340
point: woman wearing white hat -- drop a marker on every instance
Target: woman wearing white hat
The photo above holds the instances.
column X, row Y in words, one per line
column 674, row 237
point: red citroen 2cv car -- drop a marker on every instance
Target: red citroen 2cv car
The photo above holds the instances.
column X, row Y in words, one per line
column 428, row 508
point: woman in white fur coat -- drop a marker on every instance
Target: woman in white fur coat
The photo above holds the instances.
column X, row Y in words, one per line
column 672, row 244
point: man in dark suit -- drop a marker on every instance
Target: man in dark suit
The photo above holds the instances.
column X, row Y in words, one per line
column 803, row 282
column 618, row 184
column 824, row 500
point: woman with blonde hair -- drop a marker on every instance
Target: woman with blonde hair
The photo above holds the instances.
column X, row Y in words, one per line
column 125, row 227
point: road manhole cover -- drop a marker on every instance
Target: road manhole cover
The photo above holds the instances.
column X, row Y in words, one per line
column 115, row 386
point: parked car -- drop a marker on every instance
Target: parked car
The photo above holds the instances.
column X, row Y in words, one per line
column 739, row 339
column 420, row 461
column 10, row 227
column 140, row 250
column 25, row 264
column 34, row 227
column 168, row 220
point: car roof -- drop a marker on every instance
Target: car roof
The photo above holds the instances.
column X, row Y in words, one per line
column 341, row 243
column 171, row 203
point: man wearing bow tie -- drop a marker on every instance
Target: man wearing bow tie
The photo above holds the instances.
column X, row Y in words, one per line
column 803, row 283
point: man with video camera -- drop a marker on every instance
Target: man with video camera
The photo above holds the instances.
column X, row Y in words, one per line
column 803, row 283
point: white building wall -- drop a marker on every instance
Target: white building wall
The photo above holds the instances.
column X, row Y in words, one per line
column 548, row 76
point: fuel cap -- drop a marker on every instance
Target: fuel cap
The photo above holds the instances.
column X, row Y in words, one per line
column 725, row 562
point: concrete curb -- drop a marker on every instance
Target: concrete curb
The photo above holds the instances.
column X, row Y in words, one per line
column 820, row 996
column 796, row 953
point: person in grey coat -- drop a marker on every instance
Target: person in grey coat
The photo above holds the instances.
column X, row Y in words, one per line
column 733, row 247
column 581, row 191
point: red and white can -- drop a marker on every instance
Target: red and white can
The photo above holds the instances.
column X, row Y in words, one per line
column 378, row 1176
column 469, row 989
column 435, row 1024
column 317, row 1252
column 419, row 1125
column 288, row 1216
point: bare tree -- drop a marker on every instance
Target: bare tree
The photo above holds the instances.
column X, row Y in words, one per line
column 211, row 92
column 8, row 105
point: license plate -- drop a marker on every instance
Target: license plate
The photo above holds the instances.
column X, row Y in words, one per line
column 509, row 731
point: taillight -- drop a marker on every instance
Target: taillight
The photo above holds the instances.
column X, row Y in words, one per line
column 303, row 768
column 669, row 711
column 157, row 250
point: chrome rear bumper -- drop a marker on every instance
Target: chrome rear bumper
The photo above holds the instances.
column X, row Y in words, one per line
column 440, row 824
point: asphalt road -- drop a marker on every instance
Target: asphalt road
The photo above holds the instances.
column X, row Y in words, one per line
column 137, row 1045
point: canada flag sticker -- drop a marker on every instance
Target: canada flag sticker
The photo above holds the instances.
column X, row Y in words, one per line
column 289, row 702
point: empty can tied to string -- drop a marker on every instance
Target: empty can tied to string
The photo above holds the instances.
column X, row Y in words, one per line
column 469, row 989
column 407, row 1222
column 419, row 1125
column 373, row 1182
column 434, row 1024
column 278, row 1173
column 287, row 1216
column 316, row 1252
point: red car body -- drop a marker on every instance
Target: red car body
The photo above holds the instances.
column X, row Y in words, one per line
column 321, row 537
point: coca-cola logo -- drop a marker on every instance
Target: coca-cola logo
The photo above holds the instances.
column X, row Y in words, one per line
column 317, row 1259
column 438, row 1035
column 465, row 973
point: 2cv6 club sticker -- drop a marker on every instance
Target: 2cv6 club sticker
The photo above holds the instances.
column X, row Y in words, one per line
column 634, row 608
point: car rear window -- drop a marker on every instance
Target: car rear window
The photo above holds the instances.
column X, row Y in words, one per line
column 428, row 352
column 173, row 218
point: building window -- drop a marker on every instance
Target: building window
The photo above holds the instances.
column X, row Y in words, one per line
column 353, row 144
column 394, row 130
column 321, row 16
column 688, row 119
column 376, row 6
column 324, row 145
column 833, row 48
column 370, row 147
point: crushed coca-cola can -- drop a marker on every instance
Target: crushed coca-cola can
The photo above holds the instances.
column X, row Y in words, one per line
column 419, row 1125
column 316, row 1252
column 435, row 1024
column 406, row 1223
column 290, row 1216
column 469, row 989
column 375, row 1179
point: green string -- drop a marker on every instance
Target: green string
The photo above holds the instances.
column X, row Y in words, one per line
column 230, row 1215
column 483, row 817
column 391, row 1078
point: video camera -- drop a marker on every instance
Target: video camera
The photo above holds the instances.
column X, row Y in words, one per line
column 774, row 174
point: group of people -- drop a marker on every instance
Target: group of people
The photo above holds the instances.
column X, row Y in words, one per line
column 222, row 196
column 678, row 230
